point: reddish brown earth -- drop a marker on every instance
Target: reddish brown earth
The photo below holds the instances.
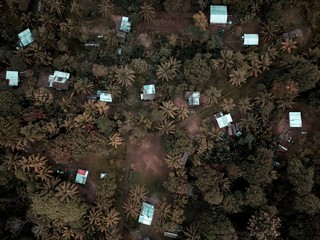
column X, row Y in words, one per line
column 165, row 24
column 148, row 158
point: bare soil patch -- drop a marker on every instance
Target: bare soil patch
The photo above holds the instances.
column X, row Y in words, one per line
column 149, row 157
column 165, row 24
column 180, row 101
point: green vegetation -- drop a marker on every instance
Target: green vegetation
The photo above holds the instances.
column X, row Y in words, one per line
column 207, row 182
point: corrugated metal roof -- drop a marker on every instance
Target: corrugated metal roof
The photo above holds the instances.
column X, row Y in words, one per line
column 251, row 39
column 25, row 37
column 224, row 120
column 218, row 14
column 146, row 214
column 125, row 25
column 81, row 176
column 194, row 98
column 295, row 119
column 13, row 77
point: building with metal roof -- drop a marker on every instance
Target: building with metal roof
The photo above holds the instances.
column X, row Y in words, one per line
column 81, row 176
column 13, row 78
column 193, row 98
column 59, row 80
column 250, row 39
column 125, row 25
column 218, row 14
column 25, row 38
column 295, row 120
column 148, row 92
column 146, row 214
column 223, row 120
column 104, row 97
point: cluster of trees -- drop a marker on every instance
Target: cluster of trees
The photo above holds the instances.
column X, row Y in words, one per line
column 229, row 188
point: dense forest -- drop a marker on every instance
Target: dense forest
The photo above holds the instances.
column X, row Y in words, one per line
column 254, row 178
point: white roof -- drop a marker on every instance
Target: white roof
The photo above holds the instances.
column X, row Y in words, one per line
column 61, row 74
column 148, row 92
column 146, row 215
column 218, row 14
column 251, row 39
column 295, row 119
column 223, row 120
column 81, row 176
column 25, row 37
column 13, row 77
column 103, row 175
column 194, row 98
column 105, row 97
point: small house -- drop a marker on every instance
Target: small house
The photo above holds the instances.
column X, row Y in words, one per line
column 146, row 214
column 81, row 176
column 295, row 119
column 25, row 38
column 223, row 120
column 13, row 78
column 122, row 27
column 148, row 92
column 218, row 14
column 103, row 96
column 250, row 39
column 234, row 129
column 59, row 80
column 193, row 98
column 292, row 35
column 103, row 175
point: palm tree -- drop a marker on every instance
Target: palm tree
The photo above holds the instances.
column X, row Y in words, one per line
column 265, row 61
column 44, row 174
column 102, row 108
column 288, row 45
column 138, row 193
column 192, row 233
column 115, row 90
column 67, row 233
column 11, row 161
column 33, row 162
column 272, row 52
column 212, row 95
column 248, row 122
column 115, row 140
column 66, row 191
column 182, row 113
column 113, row 234
column 106, row 8
column 82, row 121
column 124, row 76
column 254, row 67
column 245, row 105
column 263, row 98
column 131, row 208
column 168, row 70
column 227, row 104
column 237, row 77
column 164, row 209
column 109, row 218
column 89, row 107
column 269, row 31
column 95, row 216
column 173, row 161
column 169, row 109
column 110, row 38
column 166, row 127
column 75, row 8
column 47, row 20
column 226, row 62
column 146, row 12
column 56, row 6
column 83, row 85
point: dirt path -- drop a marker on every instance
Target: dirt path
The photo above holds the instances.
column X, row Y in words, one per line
column 148, row 158
column 164, row 24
